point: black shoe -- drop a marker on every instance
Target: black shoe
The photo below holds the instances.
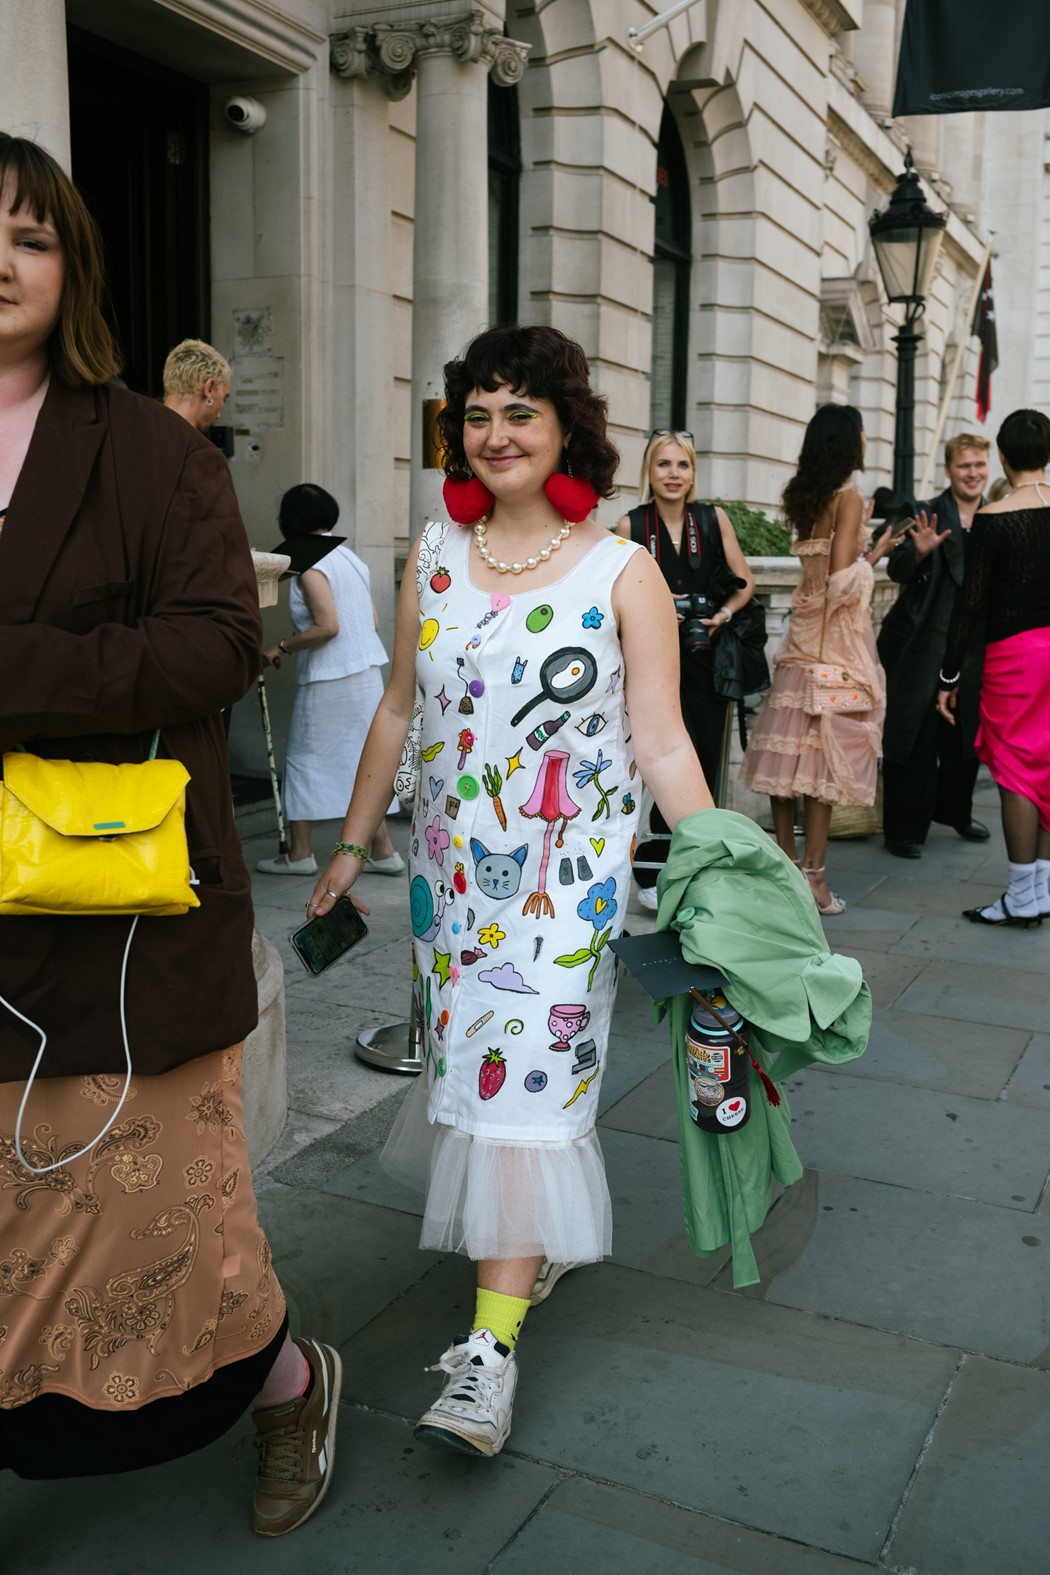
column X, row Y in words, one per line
column 976, row 831
column 975, row 916
column 903, row 850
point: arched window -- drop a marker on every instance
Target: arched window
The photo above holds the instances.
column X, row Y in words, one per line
column 672, row 261
column 504, row 184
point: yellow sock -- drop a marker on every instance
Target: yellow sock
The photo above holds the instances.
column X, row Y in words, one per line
column 504, row 1315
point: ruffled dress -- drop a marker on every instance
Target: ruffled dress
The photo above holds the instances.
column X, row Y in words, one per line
column 524, row 821
column 833, row 758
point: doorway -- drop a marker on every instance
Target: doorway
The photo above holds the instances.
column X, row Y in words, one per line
column 140, row 158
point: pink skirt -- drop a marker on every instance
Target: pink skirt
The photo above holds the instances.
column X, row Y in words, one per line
column 1013, row 738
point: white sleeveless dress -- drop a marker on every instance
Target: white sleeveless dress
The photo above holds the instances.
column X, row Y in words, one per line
column 524, row 826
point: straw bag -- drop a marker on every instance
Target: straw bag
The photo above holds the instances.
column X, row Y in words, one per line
column 84, row 837
column 832, row 690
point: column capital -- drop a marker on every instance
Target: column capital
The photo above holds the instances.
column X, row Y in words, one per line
column 393, row 53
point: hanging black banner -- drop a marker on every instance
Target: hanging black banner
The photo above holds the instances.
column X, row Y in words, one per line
column 961, row 55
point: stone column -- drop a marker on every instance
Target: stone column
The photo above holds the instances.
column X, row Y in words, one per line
column 34, row 87
column 450, row 221
column 874, row 53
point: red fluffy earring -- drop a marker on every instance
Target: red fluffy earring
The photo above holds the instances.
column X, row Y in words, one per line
column 466, row 501
column 571, row 498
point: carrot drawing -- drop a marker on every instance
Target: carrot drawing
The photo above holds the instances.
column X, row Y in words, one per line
column 493, row 782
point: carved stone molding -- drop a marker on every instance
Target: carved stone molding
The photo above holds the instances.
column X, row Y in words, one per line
column 392, row 54
column 835, row 16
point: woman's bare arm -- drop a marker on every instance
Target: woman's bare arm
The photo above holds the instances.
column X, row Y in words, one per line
column 382, row 751
column 649, row 641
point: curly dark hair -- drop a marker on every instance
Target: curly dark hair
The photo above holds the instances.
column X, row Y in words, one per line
column 537, row 362
column 305, row 509
column 832, row 449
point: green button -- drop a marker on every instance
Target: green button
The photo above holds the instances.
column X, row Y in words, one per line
column 467, row 787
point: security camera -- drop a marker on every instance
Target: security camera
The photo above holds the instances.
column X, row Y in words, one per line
column 245, row 114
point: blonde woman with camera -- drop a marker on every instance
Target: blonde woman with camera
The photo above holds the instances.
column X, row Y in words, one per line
column 696, row 549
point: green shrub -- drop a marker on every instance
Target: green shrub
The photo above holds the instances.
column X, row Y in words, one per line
column 758, row 535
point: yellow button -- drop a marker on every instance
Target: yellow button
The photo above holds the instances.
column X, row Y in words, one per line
column 457, row 841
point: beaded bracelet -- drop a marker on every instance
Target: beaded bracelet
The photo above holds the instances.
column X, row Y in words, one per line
column 949, row 683
column 354, row 848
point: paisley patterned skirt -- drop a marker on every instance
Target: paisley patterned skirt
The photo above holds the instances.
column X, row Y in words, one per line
column 138, row 1270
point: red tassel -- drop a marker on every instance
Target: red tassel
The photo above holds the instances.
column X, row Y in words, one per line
column 466, row 501
column 767, row 1083
column 570, row 497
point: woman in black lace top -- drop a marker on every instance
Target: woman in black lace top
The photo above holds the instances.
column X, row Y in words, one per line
column 1008, row 585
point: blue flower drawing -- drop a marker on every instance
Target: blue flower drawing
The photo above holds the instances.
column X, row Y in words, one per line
column 589, row 772
column 599, row 905
column 592, row 618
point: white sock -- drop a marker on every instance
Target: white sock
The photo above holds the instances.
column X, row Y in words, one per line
column 1042, row 885
column 1021, row 894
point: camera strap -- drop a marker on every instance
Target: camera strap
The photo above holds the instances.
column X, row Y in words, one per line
column 692, row 533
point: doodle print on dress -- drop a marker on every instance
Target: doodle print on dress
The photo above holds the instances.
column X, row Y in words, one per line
column 493, row 1074
column 565, row 1022
column 598, row 909
column 498, row 874
column 551, row 801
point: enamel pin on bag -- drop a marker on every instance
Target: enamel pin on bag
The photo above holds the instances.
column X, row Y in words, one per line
column 96, row 839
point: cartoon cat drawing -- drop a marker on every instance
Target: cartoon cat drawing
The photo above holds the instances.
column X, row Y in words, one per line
column 498, row 874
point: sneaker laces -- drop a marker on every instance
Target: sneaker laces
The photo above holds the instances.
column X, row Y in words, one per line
column 470, row 1371
column 279, row 1454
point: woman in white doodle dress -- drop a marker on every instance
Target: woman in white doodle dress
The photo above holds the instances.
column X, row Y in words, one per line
column 532, row 639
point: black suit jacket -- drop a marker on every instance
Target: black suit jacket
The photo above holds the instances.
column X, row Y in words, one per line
column 914, row 633
column 128, row 602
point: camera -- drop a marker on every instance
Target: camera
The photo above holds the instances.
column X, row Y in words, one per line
column 245, row 114
column 691, row 609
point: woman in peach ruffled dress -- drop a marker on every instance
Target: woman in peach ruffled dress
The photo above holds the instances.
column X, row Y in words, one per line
column 828, row 759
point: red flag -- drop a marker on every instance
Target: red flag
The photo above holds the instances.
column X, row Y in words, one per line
column 984, row 328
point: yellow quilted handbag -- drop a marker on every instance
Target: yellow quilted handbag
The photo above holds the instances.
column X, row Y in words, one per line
column 90, row 838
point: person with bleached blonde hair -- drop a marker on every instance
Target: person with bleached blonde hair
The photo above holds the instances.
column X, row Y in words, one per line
column 197, row 382
column 696, row 549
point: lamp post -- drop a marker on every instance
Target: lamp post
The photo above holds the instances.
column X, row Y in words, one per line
column 907, row 237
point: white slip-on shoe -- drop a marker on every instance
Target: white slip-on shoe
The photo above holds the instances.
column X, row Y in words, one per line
column 394, row 865
column 548, row 1277
column 647, row 898
column 474, row 1411
column 283, row 865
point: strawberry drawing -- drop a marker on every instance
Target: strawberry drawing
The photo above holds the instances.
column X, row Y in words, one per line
column 441, row 579
column 492, row 1074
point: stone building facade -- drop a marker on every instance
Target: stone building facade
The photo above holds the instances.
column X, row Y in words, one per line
column 339, row 193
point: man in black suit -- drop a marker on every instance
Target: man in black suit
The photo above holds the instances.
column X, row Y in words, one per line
column 929, row 769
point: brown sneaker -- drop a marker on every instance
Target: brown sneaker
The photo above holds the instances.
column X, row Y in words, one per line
column 296, row 1444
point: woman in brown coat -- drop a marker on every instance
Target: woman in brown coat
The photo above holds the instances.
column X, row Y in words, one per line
column 140, row 1308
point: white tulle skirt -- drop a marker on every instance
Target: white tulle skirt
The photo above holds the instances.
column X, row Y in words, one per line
column 490, row 1199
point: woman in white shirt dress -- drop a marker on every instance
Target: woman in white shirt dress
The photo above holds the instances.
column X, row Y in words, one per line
column 338, row 670
column 532, row 639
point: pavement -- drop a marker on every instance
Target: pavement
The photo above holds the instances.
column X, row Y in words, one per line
column 880, row 1402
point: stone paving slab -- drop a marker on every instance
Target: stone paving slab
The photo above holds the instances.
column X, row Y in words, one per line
column 887, row 977
column 926, row 894
column 872, row 929
column 979, row 1505
column 339, row 1261
column 964, row 1058
column 908, row 1262
column 790, row 1423
column 589, row 1526
column 392, row 1507
column 958, row 941
column 925, row 1139
column 1030, row 1083
column 997, row 993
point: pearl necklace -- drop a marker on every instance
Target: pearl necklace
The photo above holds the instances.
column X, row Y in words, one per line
column 481, row 535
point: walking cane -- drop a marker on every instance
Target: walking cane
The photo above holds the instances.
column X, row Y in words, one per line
column 282, row 846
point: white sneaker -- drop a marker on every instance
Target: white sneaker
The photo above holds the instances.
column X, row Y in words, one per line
column 548, row 1277
column 473, row 1413
column 647, row 898
column 283, row 865
column 394, row 865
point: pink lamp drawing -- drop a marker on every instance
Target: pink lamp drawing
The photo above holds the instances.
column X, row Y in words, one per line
column 549, row 801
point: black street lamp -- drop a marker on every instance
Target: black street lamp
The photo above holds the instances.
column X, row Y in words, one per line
column 907, row 237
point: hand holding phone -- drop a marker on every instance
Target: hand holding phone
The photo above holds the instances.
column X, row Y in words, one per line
column 330, row 936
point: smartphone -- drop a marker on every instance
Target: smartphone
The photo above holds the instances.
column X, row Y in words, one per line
column 325, row 939
column 903, row 527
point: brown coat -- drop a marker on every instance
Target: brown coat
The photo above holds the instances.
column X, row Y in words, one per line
column 128, row 603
